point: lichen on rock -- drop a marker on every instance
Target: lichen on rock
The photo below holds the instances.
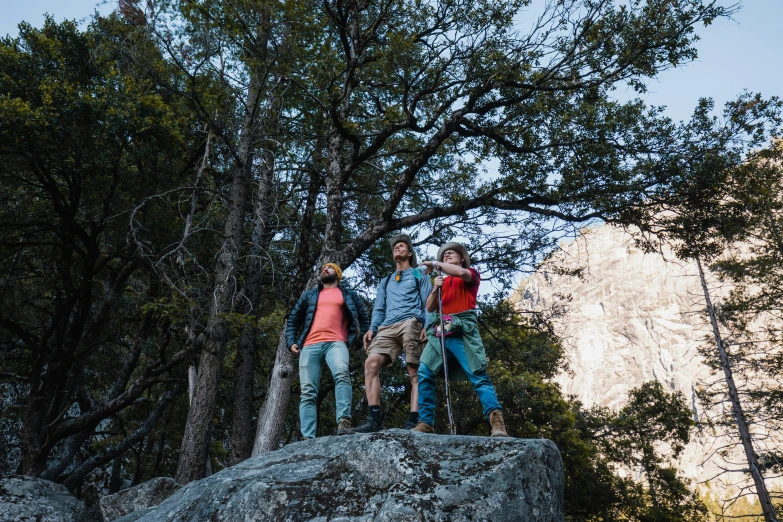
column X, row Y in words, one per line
column 386, row 476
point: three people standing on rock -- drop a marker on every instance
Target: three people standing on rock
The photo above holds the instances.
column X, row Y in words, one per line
column 330, row 318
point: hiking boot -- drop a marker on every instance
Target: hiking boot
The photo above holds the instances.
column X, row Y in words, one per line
column 409, row 425
column 368, row 427
column 423, row 427
column 344, row 426
column 497, row 424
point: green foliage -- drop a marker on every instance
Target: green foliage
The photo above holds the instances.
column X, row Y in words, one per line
column 716, row 181
column 85, row 138
column 741, row 509
column 651, row 415
column 643, row 437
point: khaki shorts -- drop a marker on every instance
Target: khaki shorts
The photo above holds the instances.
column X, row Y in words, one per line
column 390, row 340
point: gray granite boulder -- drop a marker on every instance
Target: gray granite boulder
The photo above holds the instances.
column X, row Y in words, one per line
column 145, row 495
column 27, row 499
column 392, row 475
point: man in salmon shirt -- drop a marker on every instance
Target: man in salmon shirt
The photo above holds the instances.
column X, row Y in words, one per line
column 328, row 319
column 464, row 348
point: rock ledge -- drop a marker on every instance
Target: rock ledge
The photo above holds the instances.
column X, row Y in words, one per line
column 393, row 475
column 28, row 499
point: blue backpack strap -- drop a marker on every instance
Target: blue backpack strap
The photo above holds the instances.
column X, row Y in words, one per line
column 386, row 289
column 418, row 292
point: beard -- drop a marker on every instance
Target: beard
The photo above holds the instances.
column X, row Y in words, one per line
column 329, row 278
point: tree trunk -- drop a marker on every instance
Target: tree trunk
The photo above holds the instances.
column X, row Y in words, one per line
column 646, row 459
column 197, row 434
column 739, row 415
column 242, row 429
column 115, row 479
column 72, row 446
column 271, row 417
column 56, row 371
column 334, row 197
column 244, row 371
column 192, row 380
column 33, row 459
column 76, row 477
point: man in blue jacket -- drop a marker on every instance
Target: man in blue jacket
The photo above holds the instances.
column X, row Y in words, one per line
column 398, row 323
column 324, row 322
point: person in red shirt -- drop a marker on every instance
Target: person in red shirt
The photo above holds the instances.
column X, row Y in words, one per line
column 464, row 349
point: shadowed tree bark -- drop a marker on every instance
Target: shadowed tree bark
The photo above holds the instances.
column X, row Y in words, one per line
column 196, row 438
column 271, row 416
column 243, row 428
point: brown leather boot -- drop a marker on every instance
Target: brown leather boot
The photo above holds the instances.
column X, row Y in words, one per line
column 497, row 424
column 423, row 428
column 344, row 426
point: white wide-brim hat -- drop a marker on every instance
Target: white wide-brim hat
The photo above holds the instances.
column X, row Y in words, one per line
column 459, row 248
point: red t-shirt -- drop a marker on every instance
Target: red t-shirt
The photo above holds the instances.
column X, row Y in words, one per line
column 458, row 295
column 329, row 322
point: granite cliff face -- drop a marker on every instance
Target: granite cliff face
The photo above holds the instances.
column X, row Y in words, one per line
column 632, row 317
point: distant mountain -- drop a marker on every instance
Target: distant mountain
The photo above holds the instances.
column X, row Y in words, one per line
column 628, row 318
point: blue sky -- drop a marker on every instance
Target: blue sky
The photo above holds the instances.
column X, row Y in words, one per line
column 734, row 55
column 32, row 11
